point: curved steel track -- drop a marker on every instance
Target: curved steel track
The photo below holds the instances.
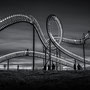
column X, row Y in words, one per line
column 6, row 22
column 10, row 56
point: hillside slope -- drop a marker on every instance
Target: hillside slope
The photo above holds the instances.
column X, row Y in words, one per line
column 44, row 79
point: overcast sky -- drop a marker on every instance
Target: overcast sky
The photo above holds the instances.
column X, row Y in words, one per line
column 74, row 15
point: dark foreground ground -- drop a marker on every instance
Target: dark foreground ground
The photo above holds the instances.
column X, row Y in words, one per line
column 45, row 80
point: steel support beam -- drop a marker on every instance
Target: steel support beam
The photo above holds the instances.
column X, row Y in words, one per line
column 60, row 57
column 8, row 64
column 43, row 58
column 33, row 48
column 75, row 66
column 84, row 49
column 84, row 55
column 45, row 55
column 50, row 53
column 56, row 60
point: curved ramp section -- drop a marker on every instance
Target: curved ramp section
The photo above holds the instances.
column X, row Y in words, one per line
column 37, row 54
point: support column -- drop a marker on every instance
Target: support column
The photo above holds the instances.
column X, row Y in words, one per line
column 84, row 54
column 33, row 48
column 84, row 50
column 75, row 67
column 45, row 55
column 45, row 64
column 56, row 60
column 43, row 58
column 8, row 64
column 50, row 53
column 60, row 60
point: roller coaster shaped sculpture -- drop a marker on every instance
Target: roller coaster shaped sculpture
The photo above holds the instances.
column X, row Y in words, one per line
column 53, row 43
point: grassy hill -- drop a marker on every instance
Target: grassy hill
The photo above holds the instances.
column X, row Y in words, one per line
column 44, row 79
